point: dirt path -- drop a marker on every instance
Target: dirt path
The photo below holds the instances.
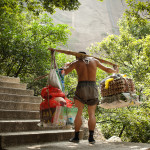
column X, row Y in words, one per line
column 84, row 145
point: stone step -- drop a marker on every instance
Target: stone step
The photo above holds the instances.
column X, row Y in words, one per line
column 16, row 91
column 13, row 85
column 18, row 114
column 24, row 125
column 24, row 138
column 11, row 105
column 20, row 98
column 9, row 79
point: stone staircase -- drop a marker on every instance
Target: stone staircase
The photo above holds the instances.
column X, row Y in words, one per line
column 19, row 116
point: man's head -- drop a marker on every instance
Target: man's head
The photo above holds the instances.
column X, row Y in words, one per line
column 81, row 57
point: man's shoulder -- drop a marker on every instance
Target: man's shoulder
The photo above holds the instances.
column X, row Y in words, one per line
column 74, row 62
column 92, row 59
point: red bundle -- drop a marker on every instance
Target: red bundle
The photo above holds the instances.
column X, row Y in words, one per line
column 53, row 97
column 49, row 92
column 52, row 104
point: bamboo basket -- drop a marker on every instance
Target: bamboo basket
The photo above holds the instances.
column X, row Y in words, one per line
column 117, row 86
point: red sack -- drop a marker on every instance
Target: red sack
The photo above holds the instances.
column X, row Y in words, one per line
column 49, row 92
column 52, row 104
column 44, row 105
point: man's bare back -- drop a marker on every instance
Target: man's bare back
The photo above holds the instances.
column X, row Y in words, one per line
column 87, row 70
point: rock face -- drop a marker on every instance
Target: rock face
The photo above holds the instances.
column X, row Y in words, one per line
column 92, row 22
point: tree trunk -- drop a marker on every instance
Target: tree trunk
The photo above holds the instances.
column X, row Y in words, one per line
column 122, row 130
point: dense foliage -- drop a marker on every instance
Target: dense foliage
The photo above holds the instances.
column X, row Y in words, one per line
column 131, row 51
column 38, row 6
column 24, row 42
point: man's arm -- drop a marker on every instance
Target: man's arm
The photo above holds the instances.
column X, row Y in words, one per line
column 107, row 69
column 68, row 68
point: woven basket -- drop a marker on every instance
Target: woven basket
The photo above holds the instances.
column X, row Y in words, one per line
column 117, row 86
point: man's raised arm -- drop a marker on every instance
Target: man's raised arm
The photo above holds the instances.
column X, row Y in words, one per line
column 107, row 69
column 68, row 67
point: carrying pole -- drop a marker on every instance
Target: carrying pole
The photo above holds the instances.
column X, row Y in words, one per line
column 81, row 54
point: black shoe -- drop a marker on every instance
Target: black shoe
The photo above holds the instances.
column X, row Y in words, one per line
column 91, row 141
column 74, row 140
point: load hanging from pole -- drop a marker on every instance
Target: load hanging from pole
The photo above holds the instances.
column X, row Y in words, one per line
column 55, row 109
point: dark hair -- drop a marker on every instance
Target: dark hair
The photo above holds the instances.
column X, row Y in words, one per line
column 81, row 57
column 82, row 52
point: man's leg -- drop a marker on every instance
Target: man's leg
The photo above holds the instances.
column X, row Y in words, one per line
column 91, row 122
column 78, row 121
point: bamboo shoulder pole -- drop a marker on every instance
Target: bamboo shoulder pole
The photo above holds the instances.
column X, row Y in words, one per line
column 80, row 54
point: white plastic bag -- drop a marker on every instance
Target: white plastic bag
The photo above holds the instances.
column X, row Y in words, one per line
column 60, row 117
column 54, row 80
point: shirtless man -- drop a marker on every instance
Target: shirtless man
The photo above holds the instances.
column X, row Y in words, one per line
column 86, row 91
